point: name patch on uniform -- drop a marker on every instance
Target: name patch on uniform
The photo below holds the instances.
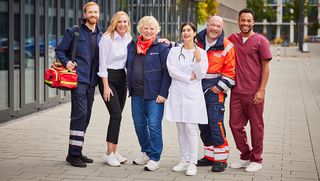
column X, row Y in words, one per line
column 155, row 53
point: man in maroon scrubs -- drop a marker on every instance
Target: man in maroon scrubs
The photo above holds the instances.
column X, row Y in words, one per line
column 247, row 97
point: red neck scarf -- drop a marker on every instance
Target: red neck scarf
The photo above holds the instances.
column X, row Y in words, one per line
column 143, row 46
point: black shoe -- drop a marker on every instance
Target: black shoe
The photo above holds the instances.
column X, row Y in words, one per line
column 75, row 161
column 204, row 162
column 218, row 166
column 86, row 159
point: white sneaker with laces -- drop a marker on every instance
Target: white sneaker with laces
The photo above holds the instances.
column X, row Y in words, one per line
column 111, row 160
column 253, row 167
column 191, row 170
column 152, row 165
column 120, row 158
column 240, row 164
column 182, row 166
column 143, row 159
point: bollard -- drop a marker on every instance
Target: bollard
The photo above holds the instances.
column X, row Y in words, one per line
column 278, row 54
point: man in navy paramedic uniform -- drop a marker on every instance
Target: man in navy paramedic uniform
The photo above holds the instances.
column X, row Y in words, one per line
column 86, row 62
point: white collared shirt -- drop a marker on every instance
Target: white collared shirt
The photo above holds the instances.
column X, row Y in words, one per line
column 208, row 45
column 112, row 53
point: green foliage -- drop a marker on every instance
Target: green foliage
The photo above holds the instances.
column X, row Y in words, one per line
column 294, row 13
column 206, row 9
column 314, row 28
column 261, row 11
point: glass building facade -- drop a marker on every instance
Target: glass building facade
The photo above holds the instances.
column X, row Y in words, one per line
column 31, row 29
column 285, row 29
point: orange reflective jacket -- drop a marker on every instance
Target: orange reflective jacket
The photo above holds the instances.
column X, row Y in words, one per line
column 221, row 57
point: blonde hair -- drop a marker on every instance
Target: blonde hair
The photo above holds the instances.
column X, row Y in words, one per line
column 113, row 24
column 84, row 8
column 149, row 20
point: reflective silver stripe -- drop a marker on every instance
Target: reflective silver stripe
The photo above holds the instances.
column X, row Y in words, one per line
column 223, row 156
column 209, row 153
column 223, row 85
column 231, row 81
column 76, row 142
column 212, row 76
column 77, row 133
column 225, row 51
column 221, row 150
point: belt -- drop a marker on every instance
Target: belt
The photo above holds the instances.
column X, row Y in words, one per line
column 212, row 76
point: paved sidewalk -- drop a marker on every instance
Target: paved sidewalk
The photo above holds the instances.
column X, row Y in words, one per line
column 35, row 147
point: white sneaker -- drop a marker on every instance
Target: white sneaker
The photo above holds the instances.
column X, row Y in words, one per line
column 111, row 160
column 143, row 159
column 253, row 167
column 152, row 165
column 240, row 164
column 191, row 170
column 182, row 166
column 120, row 158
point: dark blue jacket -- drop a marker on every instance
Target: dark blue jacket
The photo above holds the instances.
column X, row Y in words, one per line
column 86, row 67
column 156, row 76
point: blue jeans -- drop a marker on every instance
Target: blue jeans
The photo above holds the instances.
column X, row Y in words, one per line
column 147, row 117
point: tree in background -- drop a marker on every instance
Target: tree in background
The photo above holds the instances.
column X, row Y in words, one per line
column 261, row 11
column 206, row 9
column 293, row 13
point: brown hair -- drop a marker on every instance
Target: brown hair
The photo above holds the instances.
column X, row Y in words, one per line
column 84, row 8
column 194, row 28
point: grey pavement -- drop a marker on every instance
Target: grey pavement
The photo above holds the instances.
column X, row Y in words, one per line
column 34, row 147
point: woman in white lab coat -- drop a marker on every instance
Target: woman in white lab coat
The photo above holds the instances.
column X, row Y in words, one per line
column 187, row 65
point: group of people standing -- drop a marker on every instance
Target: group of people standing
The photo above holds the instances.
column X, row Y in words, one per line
column 186, row 83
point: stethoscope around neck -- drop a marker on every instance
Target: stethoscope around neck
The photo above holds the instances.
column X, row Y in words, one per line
column 184, row 57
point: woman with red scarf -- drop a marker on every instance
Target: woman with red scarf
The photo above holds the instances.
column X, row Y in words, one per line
column 148, row 84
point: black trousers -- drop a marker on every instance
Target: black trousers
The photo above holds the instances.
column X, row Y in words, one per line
column 118, row 84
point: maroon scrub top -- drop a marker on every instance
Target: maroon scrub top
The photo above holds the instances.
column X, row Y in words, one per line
column 248, row 62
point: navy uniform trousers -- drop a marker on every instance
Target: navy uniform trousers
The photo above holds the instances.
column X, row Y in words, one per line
column 81, row 104
column 213, row 134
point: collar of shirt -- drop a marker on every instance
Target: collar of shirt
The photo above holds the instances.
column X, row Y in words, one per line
column 117, row 36
column 208, row 45
column 89, row 30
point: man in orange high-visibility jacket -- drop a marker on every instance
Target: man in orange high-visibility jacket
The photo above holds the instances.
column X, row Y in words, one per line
column 220, row 78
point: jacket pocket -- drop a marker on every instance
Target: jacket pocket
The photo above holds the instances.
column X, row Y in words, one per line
column 154, row 75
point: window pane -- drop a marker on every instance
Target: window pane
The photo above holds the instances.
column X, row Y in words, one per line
column 4, row 55
column 70, row 13
column 29, row 52
column 52, row 31
column 16, row 47
column 42, row 49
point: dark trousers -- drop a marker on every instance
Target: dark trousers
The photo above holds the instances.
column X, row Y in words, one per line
column 81, row 104
column 213, row 133
column 118, row 84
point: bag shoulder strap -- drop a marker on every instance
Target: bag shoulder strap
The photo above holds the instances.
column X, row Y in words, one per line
column 76, row 34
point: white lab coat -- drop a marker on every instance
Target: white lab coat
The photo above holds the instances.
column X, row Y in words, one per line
column 186, row 101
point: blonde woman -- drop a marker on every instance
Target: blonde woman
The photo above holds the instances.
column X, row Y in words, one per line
column 148, row 84
column 113, row 84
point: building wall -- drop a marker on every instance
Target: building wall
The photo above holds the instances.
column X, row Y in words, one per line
column 31, row 29
column 228, row 10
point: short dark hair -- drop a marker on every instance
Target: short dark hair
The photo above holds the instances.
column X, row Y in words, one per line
column 246, row 10
column 194, row 28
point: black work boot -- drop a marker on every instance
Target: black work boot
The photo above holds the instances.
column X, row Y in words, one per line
column 86, row 159
column 75, row 161
column 204, row 162
column 218, row 166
